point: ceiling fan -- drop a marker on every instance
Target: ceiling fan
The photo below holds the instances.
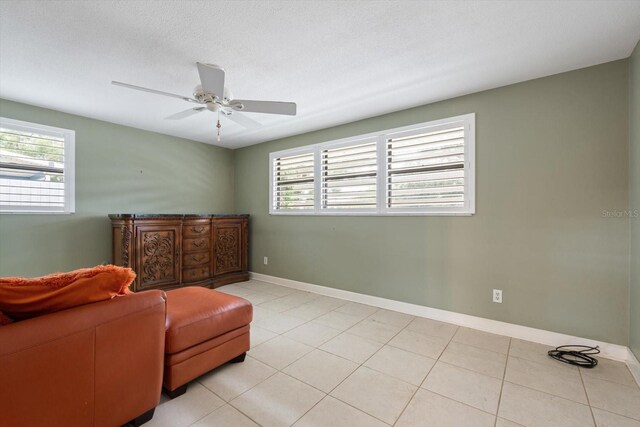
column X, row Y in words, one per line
column 212, row 95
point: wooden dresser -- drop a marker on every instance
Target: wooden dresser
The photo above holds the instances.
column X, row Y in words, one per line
column 169, row 251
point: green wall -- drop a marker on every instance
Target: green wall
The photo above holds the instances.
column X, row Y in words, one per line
column 634, row 166
column 552, row 156
column 118, row 169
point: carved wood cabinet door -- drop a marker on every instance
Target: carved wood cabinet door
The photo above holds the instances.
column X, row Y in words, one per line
column 158, row 255
column 228, row 246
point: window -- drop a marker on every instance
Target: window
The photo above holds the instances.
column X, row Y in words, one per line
column 36, row 168
column 349, row 176
column 424, row 169
column 294, row 182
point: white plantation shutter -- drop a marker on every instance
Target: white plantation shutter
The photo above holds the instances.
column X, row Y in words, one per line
column 293, row 182
column 423, row 169
column 36, row 168
column 426, row 170
column 349, row 176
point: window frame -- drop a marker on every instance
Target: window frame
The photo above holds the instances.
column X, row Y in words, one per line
column 69, row 166
column 467, row 121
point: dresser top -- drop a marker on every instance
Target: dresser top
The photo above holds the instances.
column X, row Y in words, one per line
column 132, row 216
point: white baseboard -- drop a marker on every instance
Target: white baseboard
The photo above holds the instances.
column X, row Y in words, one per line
column 634, row 366
column 554, row 339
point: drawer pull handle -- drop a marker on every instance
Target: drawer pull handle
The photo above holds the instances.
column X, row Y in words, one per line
column 199, row 243
column 197, row 229
column 196, row 259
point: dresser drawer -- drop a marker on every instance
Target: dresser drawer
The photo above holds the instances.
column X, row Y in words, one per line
column 195, row 274
column 196, row 244
column 196, row 258
column 196, row 230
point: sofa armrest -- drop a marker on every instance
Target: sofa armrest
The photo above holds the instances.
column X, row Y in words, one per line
column 97, row 364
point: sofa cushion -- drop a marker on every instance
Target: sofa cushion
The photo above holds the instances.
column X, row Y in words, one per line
column 22, row 298
column 172, row 359
column 196, row 314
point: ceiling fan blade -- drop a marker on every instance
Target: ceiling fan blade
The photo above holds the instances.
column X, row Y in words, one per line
column 212, row 79
column 186, row 113
column 266, row 107
column 243, row 120
column 157, row 92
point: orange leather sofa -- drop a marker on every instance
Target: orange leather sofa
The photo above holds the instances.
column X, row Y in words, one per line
column 99, row 364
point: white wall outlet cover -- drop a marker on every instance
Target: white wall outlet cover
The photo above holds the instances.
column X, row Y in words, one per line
column 266, row 260
column 497, row 295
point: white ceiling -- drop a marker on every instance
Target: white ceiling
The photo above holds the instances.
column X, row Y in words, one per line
column 340, row 61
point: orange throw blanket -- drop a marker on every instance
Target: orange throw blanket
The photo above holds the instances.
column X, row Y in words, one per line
column 22, row 298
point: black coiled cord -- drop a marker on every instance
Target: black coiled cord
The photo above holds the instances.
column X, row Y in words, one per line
column 579, row 355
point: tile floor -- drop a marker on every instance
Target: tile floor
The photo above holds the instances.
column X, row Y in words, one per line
column 320, row 361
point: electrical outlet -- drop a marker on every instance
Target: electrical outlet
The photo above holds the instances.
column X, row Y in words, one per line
column 497, row 296
column 266, row 260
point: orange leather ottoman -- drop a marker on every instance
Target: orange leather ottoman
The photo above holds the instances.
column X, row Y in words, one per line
column 204, row 329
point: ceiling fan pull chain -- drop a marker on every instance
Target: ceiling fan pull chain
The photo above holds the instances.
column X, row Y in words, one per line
column 218, row 125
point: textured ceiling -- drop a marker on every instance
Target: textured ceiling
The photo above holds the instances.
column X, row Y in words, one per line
column 339, row 60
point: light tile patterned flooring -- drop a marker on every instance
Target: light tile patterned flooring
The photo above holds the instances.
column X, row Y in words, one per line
column 320, row 361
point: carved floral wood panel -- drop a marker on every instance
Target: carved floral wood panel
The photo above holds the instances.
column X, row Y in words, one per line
column 158, row 258
column 227, row 250
column 126, row 241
